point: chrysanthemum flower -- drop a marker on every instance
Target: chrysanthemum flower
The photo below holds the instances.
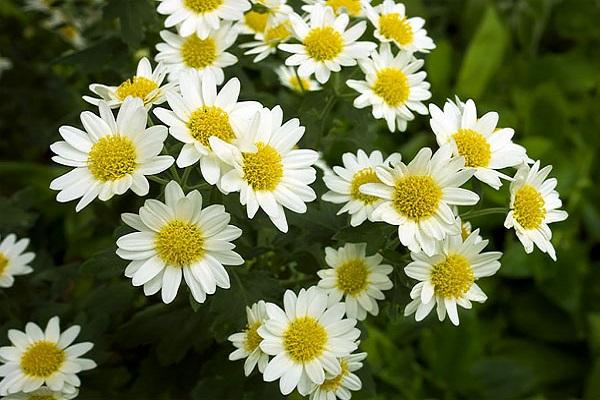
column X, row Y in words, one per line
column 392, row 86
column 417, row 197
column 340, row 386
column 326, row 45
column 13, row 260
column 534, row 203
column 306, row 338
column 359, row 279
column 392, row 25
column 289, row 78
column 248, row 341
column 43, row 393
column 346, row 181
column 201, row 16
column 267, row 14
column 485, row 148
column 39, row 358
column 276, row 32
column 353, row 8
column 179, row 237
column 204, row 56
column 200, row 113
column 111, row 156
column 267, row 170
column 447, row 277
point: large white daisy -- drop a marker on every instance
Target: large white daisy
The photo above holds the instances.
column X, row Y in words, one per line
column 43, row 393
column 247, row 343
column 342, row 385
column 13, row 259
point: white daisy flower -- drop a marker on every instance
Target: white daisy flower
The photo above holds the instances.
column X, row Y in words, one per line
column 179, row 237
column 417, row 197
column 534, row 203
column 5, row 65
column 267, row 170
column 39, row 358
column 393, row 86
column 43, row 393
column 344, row 185
column 145, row 85
column 326, row 45
column 485, row 148
column 267, row 41
column 392, row 25
column 247, row 343
column 448, row 277
column 13, row 260
column 39, row 5
column 266, row 14
column 340, row 386
column 110, row 156
column 353, row 8
column 290, row 79
column 306, row 338
column 359, row 279
column 201, row 16
column 204, row 56
column 200, row 113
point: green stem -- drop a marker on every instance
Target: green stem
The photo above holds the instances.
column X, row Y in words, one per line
column 186, row 175
column 157, row 179
column 486, row 211
column 175, row 174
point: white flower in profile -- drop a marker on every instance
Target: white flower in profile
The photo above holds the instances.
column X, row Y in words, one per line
column 485, row 148
column 43, row 393
column 290, row 79
column 392, row 25
column 344, row 184
column 37, row 358
column 417, row 197
column 200, row 113
column 341, row 385
column 179, row 238
column 393, row 86
column 534, row 203
column 267, row 14
column 204, row 56
column 276, row 32
column 325, row 43
column 247, row 343
column 110, row 156
column 447, row 278
column 201, row 16
column 307, row 339
column 359, row 279
column 268, row 171
column 353, row 8
column 13, row 259
column 146, row 85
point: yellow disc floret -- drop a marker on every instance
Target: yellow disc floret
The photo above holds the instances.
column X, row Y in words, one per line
column 304, row 339
column 353, row 277
column 137, row 87
column 42, row 359
column 395, row 27
column 256, row 21
column 41, row 397
column 474, row 147
column 273, row 36
column 253, row 339
column 198, row 53
column 352, row 7
column 263, row 170
column 209, row 121
column 392, row 86
column 112, row 157
column 180, row 243
column 3, row 263
column 333, row 384
column 416, row 197
column 323, row 44
column 529, row 207
column 202, row 6
column 299, row 84
column 365, row 175
column 453, row 277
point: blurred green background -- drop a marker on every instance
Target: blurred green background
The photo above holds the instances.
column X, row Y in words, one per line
column 536, row 62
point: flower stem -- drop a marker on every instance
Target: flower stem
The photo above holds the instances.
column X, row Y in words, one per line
column 485, row 211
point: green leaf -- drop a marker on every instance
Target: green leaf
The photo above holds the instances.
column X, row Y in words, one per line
column 133, row 15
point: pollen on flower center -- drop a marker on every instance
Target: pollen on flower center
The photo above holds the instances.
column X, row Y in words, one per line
column 256, row 21
column 416, row 197
column 209, row 121
column 263, row 170
column 473, row 146
column 112, row 157
column 198, row 53
column 352, row 277
column 137, row 87
column 323, row 44
column 529, row 207
column 392, row 86
column 365, row 175
column 331, row 385
column 42, row 359
column 453, row 277
column 3, row 263
column 253, row 339
column 180, row 243
column 304, row 339
column 299, row 84
column 277, row 34
column 202, row 6
column 42, row 397
column 395, row 27
column 352, row 7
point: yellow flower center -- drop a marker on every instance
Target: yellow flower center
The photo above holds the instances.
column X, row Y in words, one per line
column 365, row 175
column 263, row 170
column 304, row 339
column 180, row 243
column 3, row 263
column 333, row 384
column 277, row 34
column 392, row 86
column 529, row 207
column 42, row 359
column 198, row 53
column 473, row 146
column 256, row 21
column 299, row 84
column 453, row 277
column 395, row 27
column 137, row 87
column 465, row 230
column 323, row 44
column 253, row 339
column 202, row 6
column 352, row 277
column 112, row 157
column 352, row 7
column 416, row 197
column 41, row 397
column 210, row 121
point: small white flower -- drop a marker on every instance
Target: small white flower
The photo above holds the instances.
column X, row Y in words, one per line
column 247, row 343
column 179, row 237
column 353, row 8
column 307, row 338
column 393, row 86
column 289, row 78
column 276, row 32
column 534, row 203
column 39, row 358
column 13, row 260
column 256, row 21
column 448, row 277
column 340, row 386
column 5, row 64
column 465, row 228
column 111, row 156
column 359, row 279
column 43, row 393
column 39, row 5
